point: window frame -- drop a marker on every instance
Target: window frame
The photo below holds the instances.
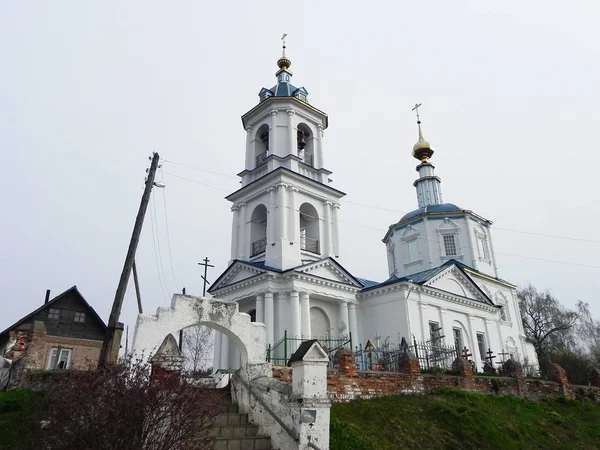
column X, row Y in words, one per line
column 445, row 244
column 459, row 347
column 59, row 351
column 79, row 314
column 435, row 336
column 481, row 345
column 51, row 313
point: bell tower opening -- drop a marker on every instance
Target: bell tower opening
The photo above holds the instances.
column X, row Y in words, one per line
column 261, row 145
column 309, row 229
column 258, row 231
column 306, row 145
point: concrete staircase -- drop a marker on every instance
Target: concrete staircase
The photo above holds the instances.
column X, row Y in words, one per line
column 231, row 431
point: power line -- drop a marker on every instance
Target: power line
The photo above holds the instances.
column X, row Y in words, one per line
column 168, row 234
column 156, row 254
column 199, row 168
column 570, row 238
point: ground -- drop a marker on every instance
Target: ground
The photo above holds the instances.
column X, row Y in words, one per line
column 454, row 419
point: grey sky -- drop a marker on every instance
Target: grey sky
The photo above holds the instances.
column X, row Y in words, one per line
column 88, row 89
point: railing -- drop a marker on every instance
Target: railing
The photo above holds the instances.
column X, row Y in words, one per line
column 279, row 353
column 309, row 245
column 259, row 246
column 387, row 356
column 308, row 159
column 262, row 158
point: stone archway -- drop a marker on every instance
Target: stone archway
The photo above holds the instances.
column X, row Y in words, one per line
column 185, row 311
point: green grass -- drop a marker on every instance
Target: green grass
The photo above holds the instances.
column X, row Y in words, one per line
column 18, row 418
column 454, row 419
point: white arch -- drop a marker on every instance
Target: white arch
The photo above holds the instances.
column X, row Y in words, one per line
column 185, row 311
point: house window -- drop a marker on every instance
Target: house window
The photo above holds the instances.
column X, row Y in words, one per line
column 458, row 340
column 481, row 345
column 54, row 314
column 434, row 333
column 413, row 251
column 449, row 245
column 60, row 358
column 79, row 317
column 483, row 248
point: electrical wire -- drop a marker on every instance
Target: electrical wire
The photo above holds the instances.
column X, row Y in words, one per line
column 168, row 234
column 385, row 230
column 157, row 254
column 553, row 236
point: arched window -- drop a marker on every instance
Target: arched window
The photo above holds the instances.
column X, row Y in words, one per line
column 309, row 229
column 258, row 230
column 261, row 145
column 306, row 145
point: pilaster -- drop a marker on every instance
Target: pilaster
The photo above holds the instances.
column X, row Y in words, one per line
column 293, row 149
column 269, row 314
column 305, row 307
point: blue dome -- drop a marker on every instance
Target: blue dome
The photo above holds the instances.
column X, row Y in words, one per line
column 444, row 207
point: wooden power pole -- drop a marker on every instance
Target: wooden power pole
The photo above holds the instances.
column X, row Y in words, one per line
column 109, row 337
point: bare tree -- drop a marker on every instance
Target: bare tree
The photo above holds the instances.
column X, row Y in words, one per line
column 548, row 325
column 198, row 344
column 121, row 407
column 589, row 333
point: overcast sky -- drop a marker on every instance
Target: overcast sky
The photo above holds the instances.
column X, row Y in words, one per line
column 511, row 102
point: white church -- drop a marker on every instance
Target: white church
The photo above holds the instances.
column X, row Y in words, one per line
column 285, row 272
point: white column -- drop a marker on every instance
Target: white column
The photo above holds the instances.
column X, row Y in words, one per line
column 249, row 150
column 326, row 244
column 271, row 217
column 335, row 229
column 295, row 314
column 260, row 308
column 294, row 217
column 217, row 352
column 353, row 324
column 273, row 136
column 234, row 232
column 344, row 319
column 305, row 320
column 281, row 213
column 280, row 322
column 293, row 137
column 224, row 352
column 241, row 243
column 269, row 316
column 320, row 163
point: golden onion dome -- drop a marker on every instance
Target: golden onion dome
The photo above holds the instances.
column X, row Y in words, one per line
column 422, row 150
column 284, row 63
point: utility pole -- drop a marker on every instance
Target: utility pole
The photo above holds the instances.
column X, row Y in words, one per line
column 206, row 266
column 137, row 288
column 109, row 337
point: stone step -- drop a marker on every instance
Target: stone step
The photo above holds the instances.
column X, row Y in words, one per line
column 234, row 431
column 230, row 418
column 243, row 443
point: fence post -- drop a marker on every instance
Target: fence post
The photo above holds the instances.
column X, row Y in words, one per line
column 269, row 353
column 285, row 358
column 350, row 334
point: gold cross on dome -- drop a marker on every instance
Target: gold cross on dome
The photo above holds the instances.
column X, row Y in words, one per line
column 416, row 108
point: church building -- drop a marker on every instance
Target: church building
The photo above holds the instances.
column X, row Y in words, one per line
column 285, row 272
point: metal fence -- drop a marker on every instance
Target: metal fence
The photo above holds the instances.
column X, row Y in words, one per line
column 279, row 353
column 387, row 356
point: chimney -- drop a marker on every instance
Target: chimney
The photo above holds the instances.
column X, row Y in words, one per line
column 47, row 296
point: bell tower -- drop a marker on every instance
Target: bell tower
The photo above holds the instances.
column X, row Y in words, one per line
column 285, row 213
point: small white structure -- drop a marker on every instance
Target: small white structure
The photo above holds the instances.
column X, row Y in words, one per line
column 443, row 282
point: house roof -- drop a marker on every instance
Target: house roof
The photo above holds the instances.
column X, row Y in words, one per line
column 50, row 303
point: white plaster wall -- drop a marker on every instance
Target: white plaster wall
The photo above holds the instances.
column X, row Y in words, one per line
column 384, row 314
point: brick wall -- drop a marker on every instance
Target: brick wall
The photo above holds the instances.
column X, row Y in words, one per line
column 343, row 387
column 84, row 356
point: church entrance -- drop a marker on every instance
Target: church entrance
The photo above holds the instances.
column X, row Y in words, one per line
column 319, row 323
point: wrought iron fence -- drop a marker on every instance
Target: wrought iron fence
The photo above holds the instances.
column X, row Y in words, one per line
column 309, row 244
column 387, row 356
column 259, row 246
column 279, row 353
